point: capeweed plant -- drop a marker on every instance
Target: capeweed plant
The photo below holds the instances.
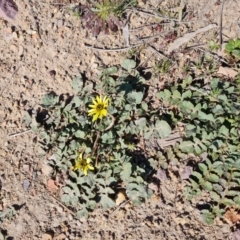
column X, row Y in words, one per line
column 94, row 137
column 211, row 114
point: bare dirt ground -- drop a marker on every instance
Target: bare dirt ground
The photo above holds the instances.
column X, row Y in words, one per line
column 43, row 50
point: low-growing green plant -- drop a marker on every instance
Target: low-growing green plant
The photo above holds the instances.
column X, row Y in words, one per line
column 162, row 66
column 203, row 66
column 213, row 45
column 211, row 114
column 95, row 137
column 105, row 15
column 95, row 134
column 233, row 49
column 7, row 213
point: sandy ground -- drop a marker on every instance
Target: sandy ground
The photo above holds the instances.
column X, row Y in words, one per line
column 46, row 37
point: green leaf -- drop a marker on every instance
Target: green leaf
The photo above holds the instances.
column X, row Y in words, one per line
column 77, row 83
column 67, row 190
column 66, row 199
column 186, row 82
column 187, row 146
column 79, row 134
column 214, row 83
column 187, row 94
column 207, row 185
column 223, row 130
column 148, row 133
column 88, row 88
column 91, row 204
column 186, row 107
column 215, row 196
column 229, row 47
column 205, row 117
column 141, row 123
column 109, row 71
column 153, row 163
column 208, row 217
column 228, row 202
column 164, row 95
column 101, row 181
column 49, row 100
column 135, row 97
column 213, row 178
column 40, row 152
column 197, row 175
column 144, row 106
column 126, row 171
column 106, row 202
column 237, row 200
column 236, row 53
column 108, row 138
column 163, row 128
column 83, row 213
column 73, row 175
column 128, row 64
column 176, row 94
column 110, row 81
column 203, row 167
column 74, row 200
column 197, row 150
column 232, row 193
column 230, row 89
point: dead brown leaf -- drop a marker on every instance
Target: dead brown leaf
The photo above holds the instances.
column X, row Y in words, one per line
column 187, row 37
column 61, row 236
column 121, row 197
column 51, row 186
column 229, row 72
column 232, row 215
column 46, row 236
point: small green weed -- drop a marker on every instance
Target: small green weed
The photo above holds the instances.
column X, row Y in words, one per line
column 162, row 66
column 105, row 16
column 7, row 213
column 203, row 66
column 213, row 45
column 233, row 49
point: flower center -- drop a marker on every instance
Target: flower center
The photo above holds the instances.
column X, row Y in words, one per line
column 100, row 107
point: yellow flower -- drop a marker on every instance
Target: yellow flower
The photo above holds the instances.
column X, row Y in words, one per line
column 83, row 164
column 98, row 108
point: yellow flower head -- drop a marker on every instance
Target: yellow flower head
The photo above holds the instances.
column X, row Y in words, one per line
column 83, row 164
column 98, row 108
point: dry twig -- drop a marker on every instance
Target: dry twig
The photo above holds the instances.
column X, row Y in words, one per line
column 113, row 49
column 20, row 133
column 220, row 25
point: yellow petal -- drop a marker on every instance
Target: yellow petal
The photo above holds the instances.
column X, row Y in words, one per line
column 91, row 112
column 90, row 167
column 103, row 113
column 105, row 100
column 85, row 171
column 92, row 106
column 98, row 99
column 88, row 160
column 95, row 117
